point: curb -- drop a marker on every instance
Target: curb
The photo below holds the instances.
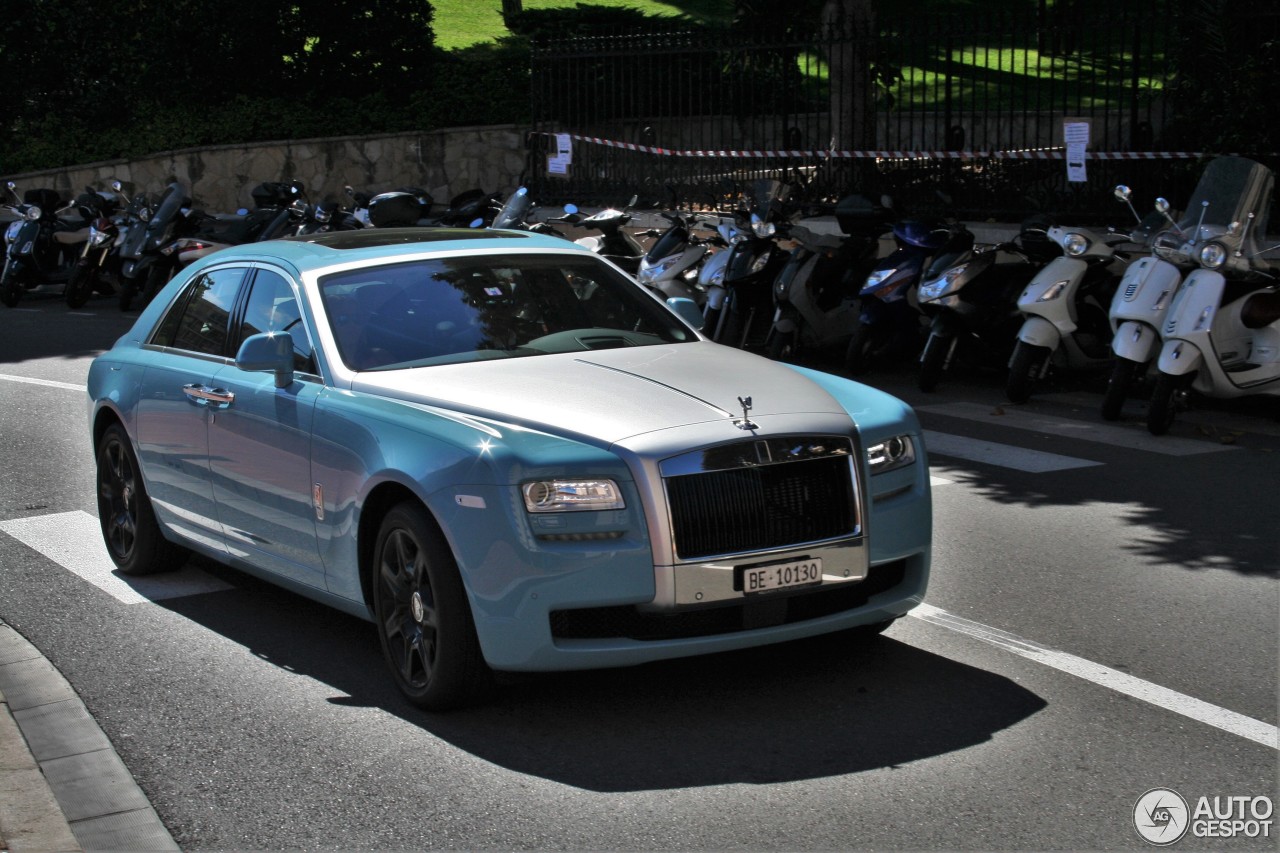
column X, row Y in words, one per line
column 62, row 785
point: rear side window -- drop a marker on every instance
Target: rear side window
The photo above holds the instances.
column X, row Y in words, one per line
column 200, row 318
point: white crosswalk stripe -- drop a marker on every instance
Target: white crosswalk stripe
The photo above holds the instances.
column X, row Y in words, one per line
column 73, row 540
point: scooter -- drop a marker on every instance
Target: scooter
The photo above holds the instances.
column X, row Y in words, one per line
column 145, row 268
column 100, row 255
column 816, row 292
column 890, row 322
column 40, row 247
column 672, row 264
column 1064, row 310
column 613, row 242
column 973, row 305
column 279, row 210
column 1222, row 335
column 752, row 263
column 1146, row 292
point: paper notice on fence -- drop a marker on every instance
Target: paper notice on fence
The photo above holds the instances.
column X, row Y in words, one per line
column 1076, row 136
column 557, row 165
column 564, row 147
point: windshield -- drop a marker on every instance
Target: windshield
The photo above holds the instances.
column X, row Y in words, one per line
column 1229, row 191
column 513, row 213
column 461, row 309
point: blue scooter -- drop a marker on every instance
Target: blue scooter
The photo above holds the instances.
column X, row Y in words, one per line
column 890, row 324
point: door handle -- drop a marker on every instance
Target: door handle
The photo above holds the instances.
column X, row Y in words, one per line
column 213, row 398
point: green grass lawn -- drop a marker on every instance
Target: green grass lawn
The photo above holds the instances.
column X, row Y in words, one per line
column 461, row 23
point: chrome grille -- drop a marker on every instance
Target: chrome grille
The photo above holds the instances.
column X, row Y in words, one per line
column 765, row 504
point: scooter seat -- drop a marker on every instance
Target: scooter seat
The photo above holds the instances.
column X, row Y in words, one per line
column 818, row 242
column 1260, row 309
column 70, row 237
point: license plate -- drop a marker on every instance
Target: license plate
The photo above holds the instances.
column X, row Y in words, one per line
column 781, row 576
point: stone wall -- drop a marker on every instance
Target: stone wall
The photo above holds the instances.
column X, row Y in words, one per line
column 220, row 177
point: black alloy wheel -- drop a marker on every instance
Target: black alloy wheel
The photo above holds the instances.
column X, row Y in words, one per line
column 129, row 528
column 423, row 615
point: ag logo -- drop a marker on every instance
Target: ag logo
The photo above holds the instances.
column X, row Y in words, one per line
column 1161, row 816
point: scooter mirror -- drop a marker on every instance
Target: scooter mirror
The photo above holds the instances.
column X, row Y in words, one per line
column 570, row 208
column 477, row 223
column 886, row 202
column 1123, row 193
column 634, row 199
column 1162, row 205
column 117, row 186
column 11, row 185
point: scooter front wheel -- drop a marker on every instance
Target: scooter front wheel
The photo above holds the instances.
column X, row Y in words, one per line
column 1122, row 375
column 932, row 361
column 1166, row 398
column 1024, row 369
column 84, row 278
column 10, row 289
column 782, row 345
column 857, row 355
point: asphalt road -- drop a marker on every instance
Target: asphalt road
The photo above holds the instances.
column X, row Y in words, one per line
column 1102, row 621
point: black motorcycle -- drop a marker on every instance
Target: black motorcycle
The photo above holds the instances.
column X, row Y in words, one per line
column 100, row 258
column 145, row 267
column 744, row 317
column 40, row 247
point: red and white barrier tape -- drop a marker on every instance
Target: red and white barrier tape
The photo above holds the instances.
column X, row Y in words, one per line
column 1030, row 154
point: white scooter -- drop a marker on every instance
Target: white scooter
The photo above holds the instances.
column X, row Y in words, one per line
column 1065, row 307
column 1222, row 334
column 670, row 267
column 1146, row 292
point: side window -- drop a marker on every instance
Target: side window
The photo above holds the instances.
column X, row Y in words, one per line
column 200, row 317
column 273, row 308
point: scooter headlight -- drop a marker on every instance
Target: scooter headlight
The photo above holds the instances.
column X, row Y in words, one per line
column 761, row 261
column 1075, row 244
column 651, row 272
column 943, row 284
column 1213, row 255
column 878, row 277
column 33, row 213
column 1055, row 290
column 98, row 239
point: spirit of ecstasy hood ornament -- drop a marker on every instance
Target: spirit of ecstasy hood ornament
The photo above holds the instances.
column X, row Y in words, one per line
column 746, row 422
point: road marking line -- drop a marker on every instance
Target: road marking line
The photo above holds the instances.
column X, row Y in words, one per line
column 48, row 382
column 73, row 540
column 1002, row 455
column 1117, row 436
column 1163, row 697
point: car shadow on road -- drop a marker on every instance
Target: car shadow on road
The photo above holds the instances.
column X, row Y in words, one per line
column 826, row 706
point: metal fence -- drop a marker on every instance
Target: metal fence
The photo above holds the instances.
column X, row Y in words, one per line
column 965, row 116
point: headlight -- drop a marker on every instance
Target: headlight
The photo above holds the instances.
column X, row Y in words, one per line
column 1213, row 255
column 572, row 495
column 878, row 276
column 943, row 284
column 761, row 262
column 658, row 268
column 1075, row 244
column 763, row 229
column 33, row 213
column 1054, row 291
column 897, row 452
column 99, row 238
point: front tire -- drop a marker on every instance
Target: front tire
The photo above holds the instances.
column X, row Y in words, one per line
column 932, row 361
column 83, row 281
column 1024, row 368
column 782, row 345
column 1122, row 375
column 129, row 527
column 1165, row 398
column 424, row 618
column 857, row 355
column 10, row 288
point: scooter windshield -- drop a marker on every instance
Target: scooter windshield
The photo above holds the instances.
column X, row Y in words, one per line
column 515, row 211
column 1232, row 187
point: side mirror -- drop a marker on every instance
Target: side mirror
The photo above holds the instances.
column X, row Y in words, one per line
column 117, row 186
column 268, row 353
column 1123, row 193
column 570, row 208
column 1162, row 205
column 686, row 309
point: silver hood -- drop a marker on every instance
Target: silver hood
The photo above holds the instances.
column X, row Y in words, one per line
column 610, row 395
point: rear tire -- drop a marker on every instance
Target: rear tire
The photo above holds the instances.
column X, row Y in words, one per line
column 423, row 615
column 129, row 527
column 1122, row 374
column 1024, row 369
